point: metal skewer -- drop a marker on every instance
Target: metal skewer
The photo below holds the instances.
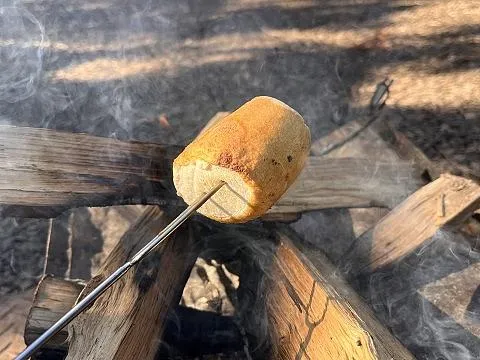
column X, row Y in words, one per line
column 100, row 289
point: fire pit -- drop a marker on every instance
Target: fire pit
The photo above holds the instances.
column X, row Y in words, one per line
column 292, row 303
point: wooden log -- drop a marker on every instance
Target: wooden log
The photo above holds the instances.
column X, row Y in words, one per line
column 52, row 299
column 346, row 182
column 44, row 172
column 339, row 138
column 79, row 240
column 314, row 314
column 187, row 330
column 358, row 139
column 445, row 202
column 431, row 170
column 129, row 319
column 406, row 150
column 365, row 138
column 349, row 182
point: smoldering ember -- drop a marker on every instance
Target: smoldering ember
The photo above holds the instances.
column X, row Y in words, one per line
column 323, row 156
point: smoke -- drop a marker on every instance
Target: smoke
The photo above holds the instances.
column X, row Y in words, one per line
column 158, row 70
column 114, row 68
column 21, row 53
column 20, row 272
column 398, row 297
column 248, row 252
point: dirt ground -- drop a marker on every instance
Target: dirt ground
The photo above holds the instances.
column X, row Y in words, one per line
column 158, row 70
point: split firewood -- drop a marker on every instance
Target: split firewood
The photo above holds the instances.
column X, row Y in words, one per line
column 129, row 319
column 349, row 183
column 52, row 299
column 360, row 139
column 187, row 330
column 314, row 314
column 45, row 172
column 406, row 150
column 48, row 172
column 447, row 201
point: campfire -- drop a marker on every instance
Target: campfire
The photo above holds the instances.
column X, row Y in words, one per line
column 293, row 299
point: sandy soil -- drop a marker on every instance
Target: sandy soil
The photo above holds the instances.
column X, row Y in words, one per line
column 158, row 70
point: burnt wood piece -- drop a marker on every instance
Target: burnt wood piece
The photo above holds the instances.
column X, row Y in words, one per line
column 349, row 140
column 447, row 201
column 188, row 330
column 129, row 319
column 43, row 172
column 314, row 314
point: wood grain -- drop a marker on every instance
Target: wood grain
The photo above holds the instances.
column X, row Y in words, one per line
column 360, row 139
column 314, row 314
column 43, row 172
column 349, row 182
column 129, row 319
column 446, row 201
column 53, row 298
column 187, row 331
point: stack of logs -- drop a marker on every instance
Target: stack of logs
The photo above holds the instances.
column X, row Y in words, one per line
column 398, row 200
